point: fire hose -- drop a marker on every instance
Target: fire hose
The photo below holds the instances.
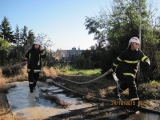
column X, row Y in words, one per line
column 106, row 73
column 116, row 79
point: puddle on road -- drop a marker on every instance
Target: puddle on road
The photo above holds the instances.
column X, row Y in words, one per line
column 43, row 102
column 122, row 113
column 144, row 116
column 31, row 106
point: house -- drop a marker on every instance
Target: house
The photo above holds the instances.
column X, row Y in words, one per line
column 67, row 54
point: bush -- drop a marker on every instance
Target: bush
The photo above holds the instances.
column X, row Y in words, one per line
column 12, row 70
column 150, row 90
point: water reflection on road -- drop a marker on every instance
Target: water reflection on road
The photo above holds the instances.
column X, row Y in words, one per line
column 144, row 116
column 31, row 106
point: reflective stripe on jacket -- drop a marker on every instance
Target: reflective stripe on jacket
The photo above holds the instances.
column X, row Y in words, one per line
column 130, row 60
column 34, row 60
column 35, row 71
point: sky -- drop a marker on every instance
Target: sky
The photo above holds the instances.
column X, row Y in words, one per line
column 61, row 20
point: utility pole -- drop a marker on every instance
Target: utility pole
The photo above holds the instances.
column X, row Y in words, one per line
column 3, row 37
column 140, row 27
column 140, row 24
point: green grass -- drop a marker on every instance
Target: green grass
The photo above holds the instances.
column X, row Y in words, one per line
column 91, row 72
column 69, row 70
column 153, row 82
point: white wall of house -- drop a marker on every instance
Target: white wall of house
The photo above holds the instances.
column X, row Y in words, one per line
column 67, row 53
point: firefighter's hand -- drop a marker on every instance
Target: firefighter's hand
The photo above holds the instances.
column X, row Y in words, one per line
column 115, row 77
column 40, row 48
column 25, row 62
column 113, row 69
column 147, row 61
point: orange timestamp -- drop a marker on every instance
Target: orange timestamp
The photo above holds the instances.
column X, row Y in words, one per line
column 129, row 103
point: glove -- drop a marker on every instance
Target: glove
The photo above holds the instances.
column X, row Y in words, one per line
column 115, row 77
column 147, row 61
column 25, row 62
column 113, row 69
column 41, row 48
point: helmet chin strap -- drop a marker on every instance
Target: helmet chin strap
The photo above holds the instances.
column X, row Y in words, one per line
column 129, row 44
column 132, row 48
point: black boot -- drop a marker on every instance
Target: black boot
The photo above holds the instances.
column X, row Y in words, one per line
column 31, row 88
column 135, row 106
column 31, row 91
column 34, row 85
column 115, row 92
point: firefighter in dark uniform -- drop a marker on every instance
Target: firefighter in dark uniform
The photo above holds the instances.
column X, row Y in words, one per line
column 33, row 58
column 130, row 59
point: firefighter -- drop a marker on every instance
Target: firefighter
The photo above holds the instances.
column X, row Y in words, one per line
column 130, row 59
column 33, row 58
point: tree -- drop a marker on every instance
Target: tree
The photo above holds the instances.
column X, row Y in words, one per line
column 23, row 34
column 112, row 30
column 4, row 45
column 45, row 42
column 17, row 36
column 6, row 31
column 30, row 39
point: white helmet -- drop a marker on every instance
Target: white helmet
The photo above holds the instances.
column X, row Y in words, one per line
column 133, row 39
column 36, row 42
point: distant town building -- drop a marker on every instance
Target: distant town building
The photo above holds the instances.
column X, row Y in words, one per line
column 67, row 54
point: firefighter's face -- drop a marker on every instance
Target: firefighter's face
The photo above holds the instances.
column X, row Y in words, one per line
column 36, row 46
column 134, row 46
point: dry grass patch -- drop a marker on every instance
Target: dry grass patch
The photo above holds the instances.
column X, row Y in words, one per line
column 23, row 76
column 3, row 82
column 0, row 73
column 102, row 93
column 45, row 72
column 9, row 117
column 49, row 73
column 53, row 72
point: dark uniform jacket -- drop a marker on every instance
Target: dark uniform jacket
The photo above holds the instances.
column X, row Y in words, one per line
column 34, row 57
column 130, row 60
